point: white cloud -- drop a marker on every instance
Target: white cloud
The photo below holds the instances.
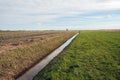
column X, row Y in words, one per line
column 40, row 11
column 58, row 6
column 110, row 4
column 99, row 17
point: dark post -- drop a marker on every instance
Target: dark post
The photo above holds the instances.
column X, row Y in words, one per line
column 66, row 29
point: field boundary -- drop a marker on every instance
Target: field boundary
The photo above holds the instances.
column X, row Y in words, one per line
column 29, row 75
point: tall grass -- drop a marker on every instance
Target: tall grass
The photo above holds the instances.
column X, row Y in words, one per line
column 8, row 37
column 93, row 55
column 12, row 63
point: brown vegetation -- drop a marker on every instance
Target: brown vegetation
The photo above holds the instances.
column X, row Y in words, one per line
column 23, row 53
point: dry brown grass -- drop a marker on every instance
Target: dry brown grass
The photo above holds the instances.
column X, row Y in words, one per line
column 13, row 62
column 11, row 40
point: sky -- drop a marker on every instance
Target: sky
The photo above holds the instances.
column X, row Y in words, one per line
column 59, row 14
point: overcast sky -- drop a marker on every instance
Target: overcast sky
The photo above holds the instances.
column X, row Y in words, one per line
column 59, row 14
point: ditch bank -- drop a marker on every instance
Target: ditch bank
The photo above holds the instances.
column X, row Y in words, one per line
column 29, row 75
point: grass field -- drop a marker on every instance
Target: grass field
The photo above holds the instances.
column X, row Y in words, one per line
column 11, row 39
column 93, row 55
column 23, row 56
column 14, row 37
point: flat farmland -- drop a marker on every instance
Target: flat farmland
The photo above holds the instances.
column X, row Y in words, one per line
column 20, row 50
column 93, row 55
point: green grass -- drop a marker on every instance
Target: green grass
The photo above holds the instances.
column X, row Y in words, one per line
column 93, row 55
column 15, row 61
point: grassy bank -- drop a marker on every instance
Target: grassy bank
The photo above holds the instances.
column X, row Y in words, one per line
column 93, row 55
column 9, row 40
column 13, row 62
column 21, row 37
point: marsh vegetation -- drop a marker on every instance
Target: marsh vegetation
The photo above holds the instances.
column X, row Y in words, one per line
column 30, row 48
